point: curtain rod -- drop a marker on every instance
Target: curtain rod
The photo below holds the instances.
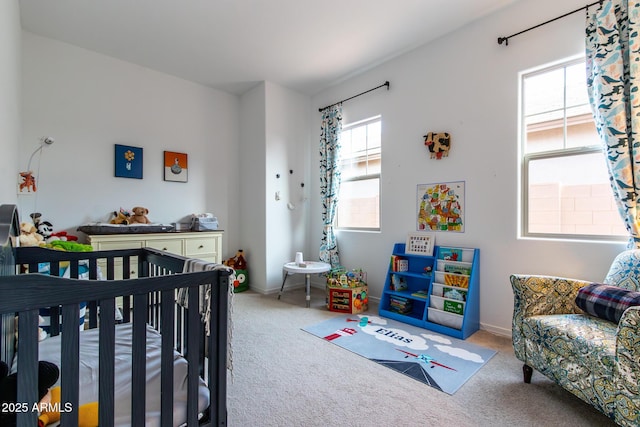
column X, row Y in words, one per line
column 355, row 96
column 506, row 39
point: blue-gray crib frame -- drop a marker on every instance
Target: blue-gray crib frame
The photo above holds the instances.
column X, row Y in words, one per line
column 160, row 274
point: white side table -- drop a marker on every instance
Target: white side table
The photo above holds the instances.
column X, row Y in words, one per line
column 311, row 267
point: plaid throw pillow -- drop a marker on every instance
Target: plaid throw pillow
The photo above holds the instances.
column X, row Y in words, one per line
column 606, row 301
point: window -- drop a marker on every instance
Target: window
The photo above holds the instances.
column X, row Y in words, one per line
column 565, row 184
column 359, row 200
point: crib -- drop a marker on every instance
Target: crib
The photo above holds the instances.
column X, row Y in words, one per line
column 169, row 348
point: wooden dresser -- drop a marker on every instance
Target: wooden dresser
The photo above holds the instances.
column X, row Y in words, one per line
column 205, row 245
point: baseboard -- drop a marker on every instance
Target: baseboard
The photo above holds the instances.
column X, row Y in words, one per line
column 496, row 330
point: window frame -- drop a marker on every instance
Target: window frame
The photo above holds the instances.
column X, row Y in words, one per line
column 526, row 158
column 378, row 175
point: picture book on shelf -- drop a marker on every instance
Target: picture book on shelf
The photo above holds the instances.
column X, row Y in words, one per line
column 399, row 264
column 398, row 283
column 457, row 268
column 422, row 293
column 450, row 254
column 454, row 294
column 400, row 304
column 458, row 280
column 456, row 307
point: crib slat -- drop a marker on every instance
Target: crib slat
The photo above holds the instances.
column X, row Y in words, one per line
column 70, row 369
column 54, row 321
column 218, row 352
column 106, row 363
column 28, row 372
column 139, row 367
column 167, row 361
column 193, row 341
column 110, row 263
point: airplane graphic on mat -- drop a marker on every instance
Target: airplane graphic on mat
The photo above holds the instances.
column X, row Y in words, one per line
column 426, row 359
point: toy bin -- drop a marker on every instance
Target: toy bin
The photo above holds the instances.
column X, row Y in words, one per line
column 242, row 281
column 239, row 264
column 347, row 291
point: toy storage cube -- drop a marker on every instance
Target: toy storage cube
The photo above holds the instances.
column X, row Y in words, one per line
column 348, row 300
column 347, row 291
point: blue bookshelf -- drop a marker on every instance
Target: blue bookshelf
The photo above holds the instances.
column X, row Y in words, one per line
column 438, row 292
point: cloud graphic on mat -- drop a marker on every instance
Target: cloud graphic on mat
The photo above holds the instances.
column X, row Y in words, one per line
column 437, row 338
column 460, row 353
column 397, row 337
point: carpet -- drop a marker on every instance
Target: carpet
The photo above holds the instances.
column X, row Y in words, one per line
column 440, row 361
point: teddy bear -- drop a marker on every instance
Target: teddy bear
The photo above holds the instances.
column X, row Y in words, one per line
column 120, row 217
column 48, row 374
column 29, row 235
column 139, row 215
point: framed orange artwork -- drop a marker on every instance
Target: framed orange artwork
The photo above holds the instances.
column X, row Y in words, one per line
column 176, row 166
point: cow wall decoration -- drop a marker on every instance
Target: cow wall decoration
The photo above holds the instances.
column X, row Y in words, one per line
column 438, row 144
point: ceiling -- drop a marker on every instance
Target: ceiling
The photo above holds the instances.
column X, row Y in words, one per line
column 305, row 45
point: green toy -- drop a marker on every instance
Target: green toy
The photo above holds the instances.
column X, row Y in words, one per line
column 69, row 246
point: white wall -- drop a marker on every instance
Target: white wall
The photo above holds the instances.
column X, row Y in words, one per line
column 10, row 45
column 287, row 115
column 252, row 216
column 274, row 141
column 89, row 102
column 465, row 84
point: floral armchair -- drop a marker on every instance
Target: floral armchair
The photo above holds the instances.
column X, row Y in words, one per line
column 596, row 359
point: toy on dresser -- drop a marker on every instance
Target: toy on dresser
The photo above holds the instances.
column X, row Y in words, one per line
column 120, row 217
column 139, row 216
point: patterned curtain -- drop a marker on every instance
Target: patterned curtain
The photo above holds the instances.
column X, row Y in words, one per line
column 613, row 67
column 330, row 180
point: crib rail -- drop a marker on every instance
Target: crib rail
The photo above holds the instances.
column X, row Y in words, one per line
column 153, row 294
column 9, row 231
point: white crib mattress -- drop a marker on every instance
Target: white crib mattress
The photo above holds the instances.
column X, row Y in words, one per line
column 49, row 350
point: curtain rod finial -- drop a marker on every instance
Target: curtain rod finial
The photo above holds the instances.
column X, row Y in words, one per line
column 503, row 39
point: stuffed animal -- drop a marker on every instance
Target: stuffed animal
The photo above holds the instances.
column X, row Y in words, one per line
column 87, row 413
column 69, row 246
column 44, row 228
column 48, row 374
column 29, row 235
column 64, row 236
column 139, row 216
column 121, row 217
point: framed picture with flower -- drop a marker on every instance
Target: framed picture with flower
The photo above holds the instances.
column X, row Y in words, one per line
column 128, row 161
column 176, row 166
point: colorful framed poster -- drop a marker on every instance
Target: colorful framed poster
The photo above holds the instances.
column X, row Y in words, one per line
column 128, row 161
column 440, row 207
column 176, row 167
column 420, row 243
